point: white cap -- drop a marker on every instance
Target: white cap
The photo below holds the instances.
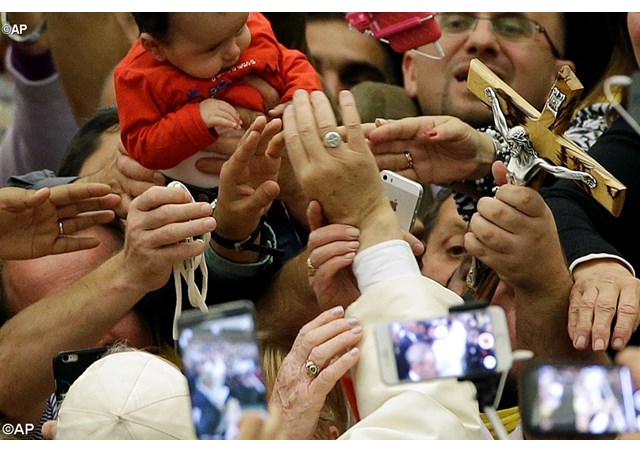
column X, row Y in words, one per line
column 127, row 395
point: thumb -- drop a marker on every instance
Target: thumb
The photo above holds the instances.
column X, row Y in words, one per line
column 315, row 215
column 499, row 170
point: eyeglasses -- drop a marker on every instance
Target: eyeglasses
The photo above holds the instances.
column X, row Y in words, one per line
column 513, row 27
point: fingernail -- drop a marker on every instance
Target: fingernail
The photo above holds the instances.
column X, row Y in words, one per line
column 205, row 209
column 617, row 343
column 431, row 133
column 158, row 177
column 210, row 223
column 353, row 245
column 353, row 321
column 380, row 121
column 418, row 248
column 349, row 256
column 598, row 345
column 345, row 94
column 337, row 310
column 353, row 232
column 356, row 330
column 581, row 342
column 354, row 351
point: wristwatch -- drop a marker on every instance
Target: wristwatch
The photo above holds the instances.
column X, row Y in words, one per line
column 8, row 30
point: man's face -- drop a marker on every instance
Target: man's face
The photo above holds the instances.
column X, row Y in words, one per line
column 527, row 65
column 344, row 56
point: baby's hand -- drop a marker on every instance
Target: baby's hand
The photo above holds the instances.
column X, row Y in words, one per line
column 216, row 113
column 278, row 110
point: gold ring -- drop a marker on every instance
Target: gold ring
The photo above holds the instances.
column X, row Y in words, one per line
column 310, row 267
column 407, row 154
column 60, row 227
column 312, row 368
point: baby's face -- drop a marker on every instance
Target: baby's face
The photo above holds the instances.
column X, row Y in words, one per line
column 205, row 44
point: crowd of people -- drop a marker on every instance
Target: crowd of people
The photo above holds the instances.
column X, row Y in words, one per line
column 242, row 152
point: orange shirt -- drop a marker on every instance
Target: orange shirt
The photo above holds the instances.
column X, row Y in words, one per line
column 158, row 104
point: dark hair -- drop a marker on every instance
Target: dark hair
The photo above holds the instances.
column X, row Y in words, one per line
column 86, row 141
column 156, row 24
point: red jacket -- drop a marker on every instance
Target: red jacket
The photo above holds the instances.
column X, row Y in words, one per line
column 158, row 105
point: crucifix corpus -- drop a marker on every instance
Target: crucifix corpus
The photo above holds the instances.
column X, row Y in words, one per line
column 537, row 147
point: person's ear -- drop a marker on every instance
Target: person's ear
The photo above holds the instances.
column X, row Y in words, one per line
column 153, row 46
column 334, row 433
column 409, row 74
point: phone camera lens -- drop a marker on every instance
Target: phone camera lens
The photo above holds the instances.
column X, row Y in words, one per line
column 384, row 177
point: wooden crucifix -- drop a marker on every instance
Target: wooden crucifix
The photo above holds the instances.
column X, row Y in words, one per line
column 537, row 146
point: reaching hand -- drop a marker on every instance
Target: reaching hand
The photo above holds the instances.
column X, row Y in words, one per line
column 443, row 149
column 604, row 289
column 332, row 249
column 248, row 181
column 328, row 341
column 35, row 224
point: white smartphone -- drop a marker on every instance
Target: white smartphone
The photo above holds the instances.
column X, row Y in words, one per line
column 221, row 360
column 465, row 345
column 578, row 399
column 404, row 195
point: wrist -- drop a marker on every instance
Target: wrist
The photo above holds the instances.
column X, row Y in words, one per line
column 380, row 226
column 487, row 152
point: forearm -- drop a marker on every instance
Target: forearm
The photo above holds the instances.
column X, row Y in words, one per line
column 76, row 317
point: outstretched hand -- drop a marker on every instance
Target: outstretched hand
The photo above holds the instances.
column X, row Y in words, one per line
column 443, row 149
column 45, row 222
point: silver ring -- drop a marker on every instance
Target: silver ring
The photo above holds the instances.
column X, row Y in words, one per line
column 407, row 154
column 310, row 267
column 312, row 369
column 332, row 139
column 60, row 227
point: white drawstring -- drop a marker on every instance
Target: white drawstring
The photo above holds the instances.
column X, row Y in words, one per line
column 186, row 269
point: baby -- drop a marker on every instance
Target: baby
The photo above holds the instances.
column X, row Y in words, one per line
column 177, row 87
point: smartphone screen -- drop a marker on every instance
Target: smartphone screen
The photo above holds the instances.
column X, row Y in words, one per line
column 221, row 361
column 582, row 399
column 468, row 344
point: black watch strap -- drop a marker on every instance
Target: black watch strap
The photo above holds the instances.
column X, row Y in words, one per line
column 245, row 244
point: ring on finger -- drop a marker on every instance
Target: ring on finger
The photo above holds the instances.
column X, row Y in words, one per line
column 332, row 139
column 312, row 369
column 407, row 154
column 310, row 267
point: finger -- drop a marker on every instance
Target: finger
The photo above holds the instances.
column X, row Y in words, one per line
column 584, row 317
column 133, row 170
column 174, row 213
column 323, row 254
column 499, row 170
column 315, row 216
column 38, row 197
column 74, row 224
column 403, row 129
column 210, row 165
column 70, row 193
column 627, row 316
column 324, row 353
column 351, row 120
column 396, row 162
column 328, row 377
column 272, row 128
column 501, row 214
column 522, row 199
column 492, row 236
column 89, row 205
column 296, row 151
column 158, row 196
column 605, row 310
column 328, row 269
column 574, row 300
column 331, row 233
column 305, row 123
column 262, row 197
column 250, row 426
column 301, row 347
column 325, row 119
column 173, row 233
column 417, row 246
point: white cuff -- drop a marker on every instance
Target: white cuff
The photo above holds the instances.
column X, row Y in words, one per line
column 600, row 256
column 385, row 261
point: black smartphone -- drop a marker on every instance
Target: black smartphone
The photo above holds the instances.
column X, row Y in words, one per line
column 69, row 365
column 221, row 360
column 578, row 399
